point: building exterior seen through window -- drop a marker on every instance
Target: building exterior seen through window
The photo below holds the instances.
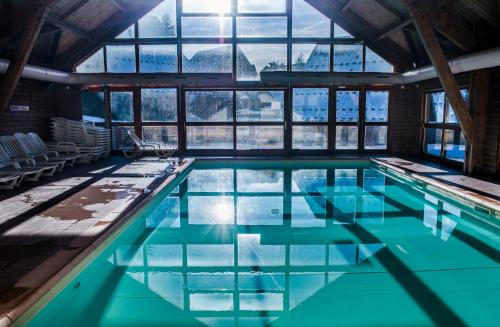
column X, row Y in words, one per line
column 243, row 38
column 443, row 137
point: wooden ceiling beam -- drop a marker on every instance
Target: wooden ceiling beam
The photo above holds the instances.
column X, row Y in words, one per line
column 118, row 5
column 395, row 28
column 445, row 21
column 51, row 19
column 347, row 5
column 360, row 28
column 105, row 31
column 31, row 29
column 440, row 63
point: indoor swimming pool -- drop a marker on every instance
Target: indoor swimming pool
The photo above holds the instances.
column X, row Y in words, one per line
column 289, row 243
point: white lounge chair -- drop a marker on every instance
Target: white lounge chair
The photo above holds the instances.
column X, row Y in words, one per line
column 139, row 146
column 15, row 152
column 42, row 148
column 10, row 168
column 31, row 151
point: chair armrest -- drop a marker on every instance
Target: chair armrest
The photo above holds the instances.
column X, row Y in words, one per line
column 52, row 154
column 41, row 155
column 14, row 164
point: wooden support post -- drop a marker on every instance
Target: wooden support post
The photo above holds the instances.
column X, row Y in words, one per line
column 440, row 63
column 32, row 27
column 479, row 90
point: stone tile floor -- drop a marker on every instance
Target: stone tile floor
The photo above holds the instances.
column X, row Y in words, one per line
column 61, row 216
column 486, row 191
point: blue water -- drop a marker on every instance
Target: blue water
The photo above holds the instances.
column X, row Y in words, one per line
column 301, row 243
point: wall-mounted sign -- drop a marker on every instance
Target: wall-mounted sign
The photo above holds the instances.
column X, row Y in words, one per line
column 20, row 108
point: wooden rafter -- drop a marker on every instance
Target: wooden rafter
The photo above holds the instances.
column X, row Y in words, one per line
column 360, row 28
column 347, row 5
column 479, row 89
column 51, row 19
column 105, row 31
column 395, row 28
column 440, row 63
column 32, row 25
column 445, row 21
column 57, row 22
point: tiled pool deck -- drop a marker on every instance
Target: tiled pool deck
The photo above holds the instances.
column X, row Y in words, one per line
column 44, row 227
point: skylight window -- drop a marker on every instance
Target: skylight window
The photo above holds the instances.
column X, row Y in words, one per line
column 206, row 7
column 129, row 33
column 309, row 22
column 262, row 26
column 93, row 64
column 159, row 22
column 262, row 6
column 340, row 33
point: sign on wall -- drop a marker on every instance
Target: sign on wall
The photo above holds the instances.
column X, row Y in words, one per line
column 20, row 108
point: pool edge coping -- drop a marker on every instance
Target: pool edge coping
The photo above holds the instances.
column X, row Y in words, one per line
column 455, row 191
column 36, row 298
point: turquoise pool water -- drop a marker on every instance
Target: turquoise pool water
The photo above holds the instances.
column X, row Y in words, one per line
column 273, row 243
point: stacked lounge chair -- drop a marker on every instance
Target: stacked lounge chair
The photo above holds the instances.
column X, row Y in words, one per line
column 91, row 142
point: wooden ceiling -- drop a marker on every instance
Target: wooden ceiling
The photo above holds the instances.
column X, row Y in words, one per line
column 76, row 27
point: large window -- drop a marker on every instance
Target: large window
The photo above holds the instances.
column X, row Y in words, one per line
column 376, row 119
column 347, row 118
column 93, row 107
column 257, row 36
column 310, row 118
column 243, row 38
column 443, row 137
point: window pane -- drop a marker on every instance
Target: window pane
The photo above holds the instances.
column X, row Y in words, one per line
column 159, row 22
column 120, row 58
column 122, row 106
column 251, row 59
column 120, row 136
column 377, row 106
column 159, row 104
column 158, row 58
column 93, row 64
column 129, row 33
column 450, row 116
column 376, row 137
column 375, row 63
column 164, row 135
column 433, row 141
column 207, row 58
column 347, row 58
column 347, row 106
column 215, row 106
column 346, row 138
column 309, row 22
column 310, row 137
column 93, row 106
column 259, row 137
column 260, row 105
column 206, row 7
column 206, row 27
column 340, row 33
column 435, row 107
column 311, row 57
column 261, row 26
column 209, row 137
column 310, row 105
column 261, row 6
column 454, row 145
